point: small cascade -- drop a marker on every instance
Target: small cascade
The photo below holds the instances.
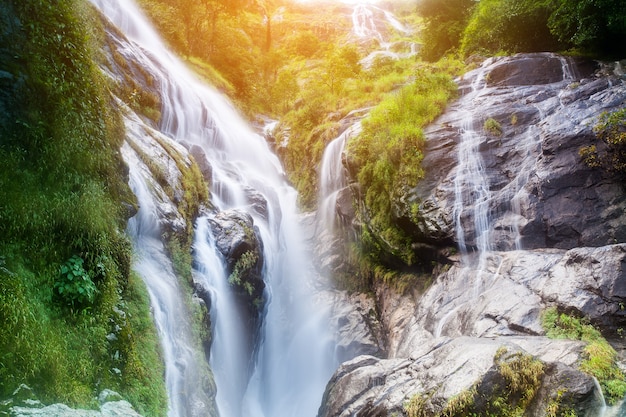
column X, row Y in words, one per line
column 471, row 185
column 599, row 396
column 529, row 148
column 367, row 20
column 364, row 22
column 229, row 359
column 332, row 178
column 489, row 210
column 184, row 378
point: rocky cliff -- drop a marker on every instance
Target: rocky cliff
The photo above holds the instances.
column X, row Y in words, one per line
column 523, row 225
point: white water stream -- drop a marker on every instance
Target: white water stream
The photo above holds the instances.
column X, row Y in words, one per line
column 286, row 373
column 367, row 20
column 332, row 178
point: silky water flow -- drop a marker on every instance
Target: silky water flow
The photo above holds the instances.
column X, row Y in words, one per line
column 285, row 374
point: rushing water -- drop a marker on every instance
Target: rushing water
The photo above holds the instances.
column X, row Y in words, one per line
column 286, row 373
column 370, row 23
column 332, row 178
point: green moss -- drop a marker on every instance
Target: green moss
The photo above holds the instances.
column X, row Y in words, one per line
column 508, row 394
column 62, row 187
column 601, row 359
column 387, row 157
column 143, row 369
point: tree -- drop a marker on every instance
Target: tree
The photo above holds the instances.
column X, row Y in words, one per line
column 592, row 25
column 271, row 9
column 445, row 21
column 341, row 64
column 509, row 26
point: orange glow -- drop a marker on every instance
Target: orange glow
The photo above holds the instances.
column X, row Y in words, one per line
column 339, row 1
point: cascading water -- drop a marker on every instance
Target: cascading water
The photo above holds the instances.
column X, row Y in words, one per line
column 286, row 373
column 366, row 22
column 332, row 178
column 476, row 196
column 184, row 379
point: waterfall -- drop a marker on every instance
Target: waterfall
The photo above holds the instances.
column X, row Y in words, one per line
column 489, row 211
column 184, row 379
column 474, row 198
column 471, row 187
column 365, row 26
column 286, row 373
column 332, row 178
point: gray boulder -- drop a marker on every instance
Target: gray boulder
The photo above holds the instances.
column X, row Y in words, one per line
column 440, row 370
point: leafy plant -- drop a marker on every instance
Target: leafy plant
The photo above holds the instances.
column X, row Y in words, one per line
column 244, row 264
column 492, row 126
column 601, row 358
column 611, row 157
column 74, row 284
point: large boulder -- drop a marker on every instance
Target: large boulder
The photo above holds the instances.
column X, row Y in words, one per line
column 440, row 370
column 239, row 242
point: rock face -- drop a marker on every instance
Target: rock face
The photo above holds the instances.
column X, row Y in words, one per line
column 240, row 244
column 442, row 369
column 23, row 404
column 533, row 227
column 540, row 193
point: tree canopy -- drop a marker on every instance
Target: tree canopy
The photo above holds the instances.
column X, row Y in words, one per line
column 591, row 27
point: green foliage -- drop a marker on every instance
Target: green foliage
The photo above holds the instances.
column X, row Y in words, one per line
column 444, row 23
column 74, row 284
column 303, row 43
column 387, row 157
column 493, row 127
column 140, row 354
column 509, row 26
column 611, row 130
column 591, row 25
column 61, row 191
column 601, row 358
column 414, row 407
column 244, row 264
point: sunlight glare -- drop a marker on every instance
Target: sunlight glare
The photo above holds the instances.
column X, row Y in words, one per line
column 339, row 1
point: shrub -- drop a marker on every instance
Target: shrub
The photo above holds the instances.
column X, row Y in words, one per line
column 601, row 358
column 591, row 25
column 74, row 284
column 493, row 127
column 611, row 157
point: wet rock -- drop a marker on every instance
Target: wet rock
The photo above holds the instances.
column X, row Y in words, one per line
column 541, row 194
column 542, row 198
column 203, row 162
column 359, row 331
column 111, row 405
column 239, row 242
column 439, row 370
